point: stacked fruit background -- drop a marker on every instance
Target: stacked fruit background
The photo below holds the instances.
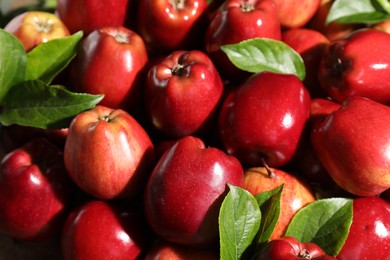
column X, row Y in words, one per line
column 195, row 129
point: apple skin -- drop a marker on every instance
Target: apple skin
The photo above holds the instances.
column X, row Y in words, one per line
column 354, row 66
column 235, row 21
column 89, row 15
column 289, row 248
column 162, row 250
column 35, row 27
column 257, row 123
column 369, row 236
column 296, row 192
column 291, row 15
column 183, row 92
column 111, row 61
column 310, row 45
column 36, row 192
column 108, row 154
column 185, row 191
column 357, row 133
column 105, row 230
column 171, row 25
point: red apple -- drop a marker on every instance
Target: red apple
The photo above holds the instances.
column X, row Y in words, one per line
column 89, row 15
column 111, row 61
column 105, row 230
column 289, row 248
column 236, row 21
column 108, row 154
column 35, row 191
column 183, row 92
column 264, row 119
column 354, row 66
column 353, row 145
column 186, row 189
column 296, row 192
column 167, row 26
column 35, row 27
column 369, row 234
column 296, row 13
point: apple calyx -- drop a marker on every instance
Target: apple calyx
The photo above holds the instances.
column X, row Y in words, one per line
column 106, row 118
column 247, row 7
column 43, row 25
column 304, row 253
column 178, row 4
column 337, row 65
column 120, row 37
column 178, row 70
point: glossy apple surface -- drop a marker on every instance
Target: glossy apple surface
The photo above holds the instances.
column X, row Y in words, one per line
column 108, row 154
column 353, row 145
column 182, row 93
column 369, row 234
column 296, row 193
column 35, row 191
column 105, row 230
column 186, row 189
column 258, row 123
column 111, row 61
column 35, row 27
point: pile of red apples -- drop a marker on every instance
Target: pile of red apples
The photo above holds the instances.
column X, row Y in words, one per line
column 143, row 174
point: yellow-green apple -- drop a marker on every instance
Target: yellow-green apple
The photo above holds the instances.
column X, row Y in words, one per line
column 89, row 15
column 35, row 191
column 162, row 250
column 105, row 230
column 108, row 154
column 183, row 92
column 296, row 192
column 257, row 123
column 186, row 189
column 353, row 145
column 167, row 26
column 383, row 26
column 369, row 234
column 309, row 44
column 289, row 248
column 296, row 13
column 354, row 66
column 111, row 61
column 35, row 27
column 236, row 21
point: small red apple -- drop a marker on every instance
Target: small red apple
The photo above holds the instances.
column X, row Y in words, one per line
column 111, row 61
column 35, row 27
column 108, row 154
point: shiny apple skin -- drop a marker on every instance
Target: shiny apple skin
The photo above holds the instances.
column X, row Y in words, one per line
column 108, row 154
column 369, row 234
column 111, row 61
column 357, row 133
column 35, row 27
column 105, row 230
column 183, row 92
column 89, row 15
column 35, row 191
column 186, row 189
column 264, row 119
column 354, row 66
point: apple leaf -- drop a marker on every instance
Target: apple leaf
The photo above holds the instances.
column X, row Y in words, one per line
column 239, row 221
column 36, row 104
column 13, row 61
column 46, row 60
column 362, row 11
column 269, row 203
column 325, row 222
column 262, row 54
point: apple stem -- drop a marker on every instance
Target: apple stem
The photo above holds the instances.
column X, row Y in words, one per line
column 270, row 172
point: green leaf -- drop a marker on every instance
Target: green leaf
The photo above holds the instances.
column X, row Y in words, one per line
column 239, row 221
column 325, row 222
column 12, row 62
column 269, row 203
column 362, row 11
column 261, row 54
column 46, row 60
column 35, row 104
column 383, row 4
